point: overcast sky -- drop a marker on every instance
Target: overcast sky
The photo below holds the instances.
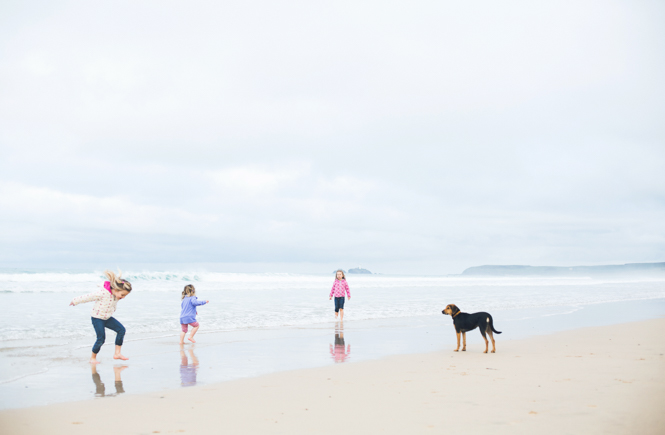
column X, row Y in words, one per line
column 407, row 137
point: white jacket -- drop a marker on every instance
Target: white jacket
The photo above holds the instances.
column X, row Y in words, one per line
column 104, row 306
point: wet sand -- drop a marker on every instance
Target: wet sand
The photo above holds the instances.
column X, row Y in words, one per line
column 35, row 374
column 606, row 379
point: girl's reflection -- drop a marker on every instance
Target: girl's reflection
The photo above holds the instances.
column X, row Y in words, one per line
column 340, row 351
column 99, row 385
column 187, row 370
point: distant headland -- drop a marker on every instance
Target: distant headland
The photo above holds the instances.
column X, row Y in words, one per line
column 623, row 269
column 358, row 270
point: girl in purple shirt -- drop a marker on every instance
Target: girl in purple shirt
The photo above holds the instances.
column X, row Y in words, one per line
column 188, row 313
column 338, row 290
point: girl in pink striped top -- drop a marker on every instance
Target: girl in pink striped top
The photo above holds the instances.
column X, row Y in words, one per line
column 338, row 289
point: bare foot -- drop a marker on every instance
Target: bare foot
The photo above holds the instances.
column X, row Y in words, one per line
column 192, row 340
column 120, row 356
column 94, row 361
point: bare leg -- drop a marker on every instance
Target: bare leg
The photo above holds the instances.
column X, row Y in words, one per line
column 191, row 336
column 93, row 359
column 118, row 355
column 182, row 337
column 99, row 385
column 183, row 355
column 117, row 371
column 118, row 380
column 195, row 360
column 341, row 315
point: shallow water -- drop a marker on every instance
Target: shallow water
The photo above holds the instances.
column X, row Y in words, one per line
column 36, row 304
column 262, row 323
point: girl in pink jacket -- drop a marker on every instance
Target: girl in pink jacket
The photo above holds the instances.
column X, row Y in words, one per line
column 339, row 287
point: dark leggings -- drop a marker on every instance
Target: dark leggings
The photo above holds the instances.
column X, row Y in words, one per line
column 339, row 304
column 112, row 324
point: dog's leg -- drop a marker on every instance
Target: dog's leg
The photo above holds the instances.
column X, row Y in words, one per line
column 492, row 338
column 464, row 338
column 458, row 334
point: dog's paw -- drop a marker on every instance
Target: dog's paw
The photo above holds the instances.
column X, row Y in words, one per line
column 464, row 350
column 456, row 350
column 494, row 351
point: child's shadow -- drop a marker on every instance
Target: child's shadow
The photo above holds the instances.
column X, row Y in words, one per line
column 188, row 371
column 99, row 385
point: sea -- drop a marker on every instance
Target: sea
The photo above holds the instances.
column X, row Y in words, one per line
column 260, row 323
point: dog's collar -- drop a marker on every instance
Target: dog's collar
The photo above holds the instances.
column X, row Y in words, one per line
column 457, row 313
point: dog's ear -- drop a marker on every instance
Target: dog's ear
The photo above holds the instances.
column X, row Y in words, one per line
column 454, row 310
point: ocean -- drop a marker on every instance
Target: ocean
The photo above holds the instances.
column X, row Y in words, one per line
column 274, row 320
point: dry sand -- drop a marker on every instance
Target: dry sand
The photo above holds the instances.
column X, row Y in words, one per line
column 604, row 380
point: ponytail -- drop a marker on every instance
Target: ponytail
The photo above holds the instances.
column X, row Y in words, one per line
column 116, row 282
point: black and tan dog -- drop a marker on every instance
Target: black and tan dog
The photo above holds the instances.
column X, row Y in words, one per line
column 468, row 322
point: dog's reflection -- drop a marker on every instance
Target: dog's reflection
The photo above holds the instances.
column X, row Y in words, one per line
column 187, row 370
column 99, row 385
column 340, row 350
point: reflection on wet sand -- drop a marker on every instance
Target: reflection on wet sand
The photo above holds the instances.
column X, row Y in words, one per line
column 187, row 370
column 99, row 385
column 340, row 351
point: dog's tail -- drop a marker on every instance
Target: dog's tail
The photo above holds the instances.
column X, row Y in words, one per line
column 492, row 326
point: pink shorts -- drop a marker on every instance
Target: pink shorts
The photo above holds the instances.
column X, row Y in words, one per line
column 184, row 326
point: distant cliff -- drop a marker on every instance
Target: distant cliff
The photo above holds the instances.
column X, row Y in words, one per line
column 359, row 270
column 625, row 269
column 356, row 270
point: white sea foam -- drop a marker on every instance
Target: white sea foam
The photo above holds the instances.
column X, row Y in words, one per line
column 36, row 304
column 165, row 281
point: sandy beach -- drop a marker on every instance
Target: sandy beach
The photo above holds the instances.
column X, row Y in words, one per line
column 605, row 379
column 287, row 160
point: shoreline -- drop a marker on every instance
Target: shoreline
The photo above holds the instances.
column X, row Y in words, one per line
column 156, row 363
column 603, row 379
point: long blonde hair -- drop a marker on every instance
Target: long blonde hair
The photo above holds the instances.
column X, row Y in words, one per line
column 118, row 283
column 188, row 291
column 343, row 276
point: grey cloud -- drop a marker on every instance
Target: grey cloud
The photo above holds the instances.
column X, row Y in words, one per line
column 420, row 137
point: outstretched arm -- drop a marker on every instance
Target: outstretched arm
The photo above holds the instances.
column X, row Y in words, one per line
column 196, row 302
column 94, row 296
